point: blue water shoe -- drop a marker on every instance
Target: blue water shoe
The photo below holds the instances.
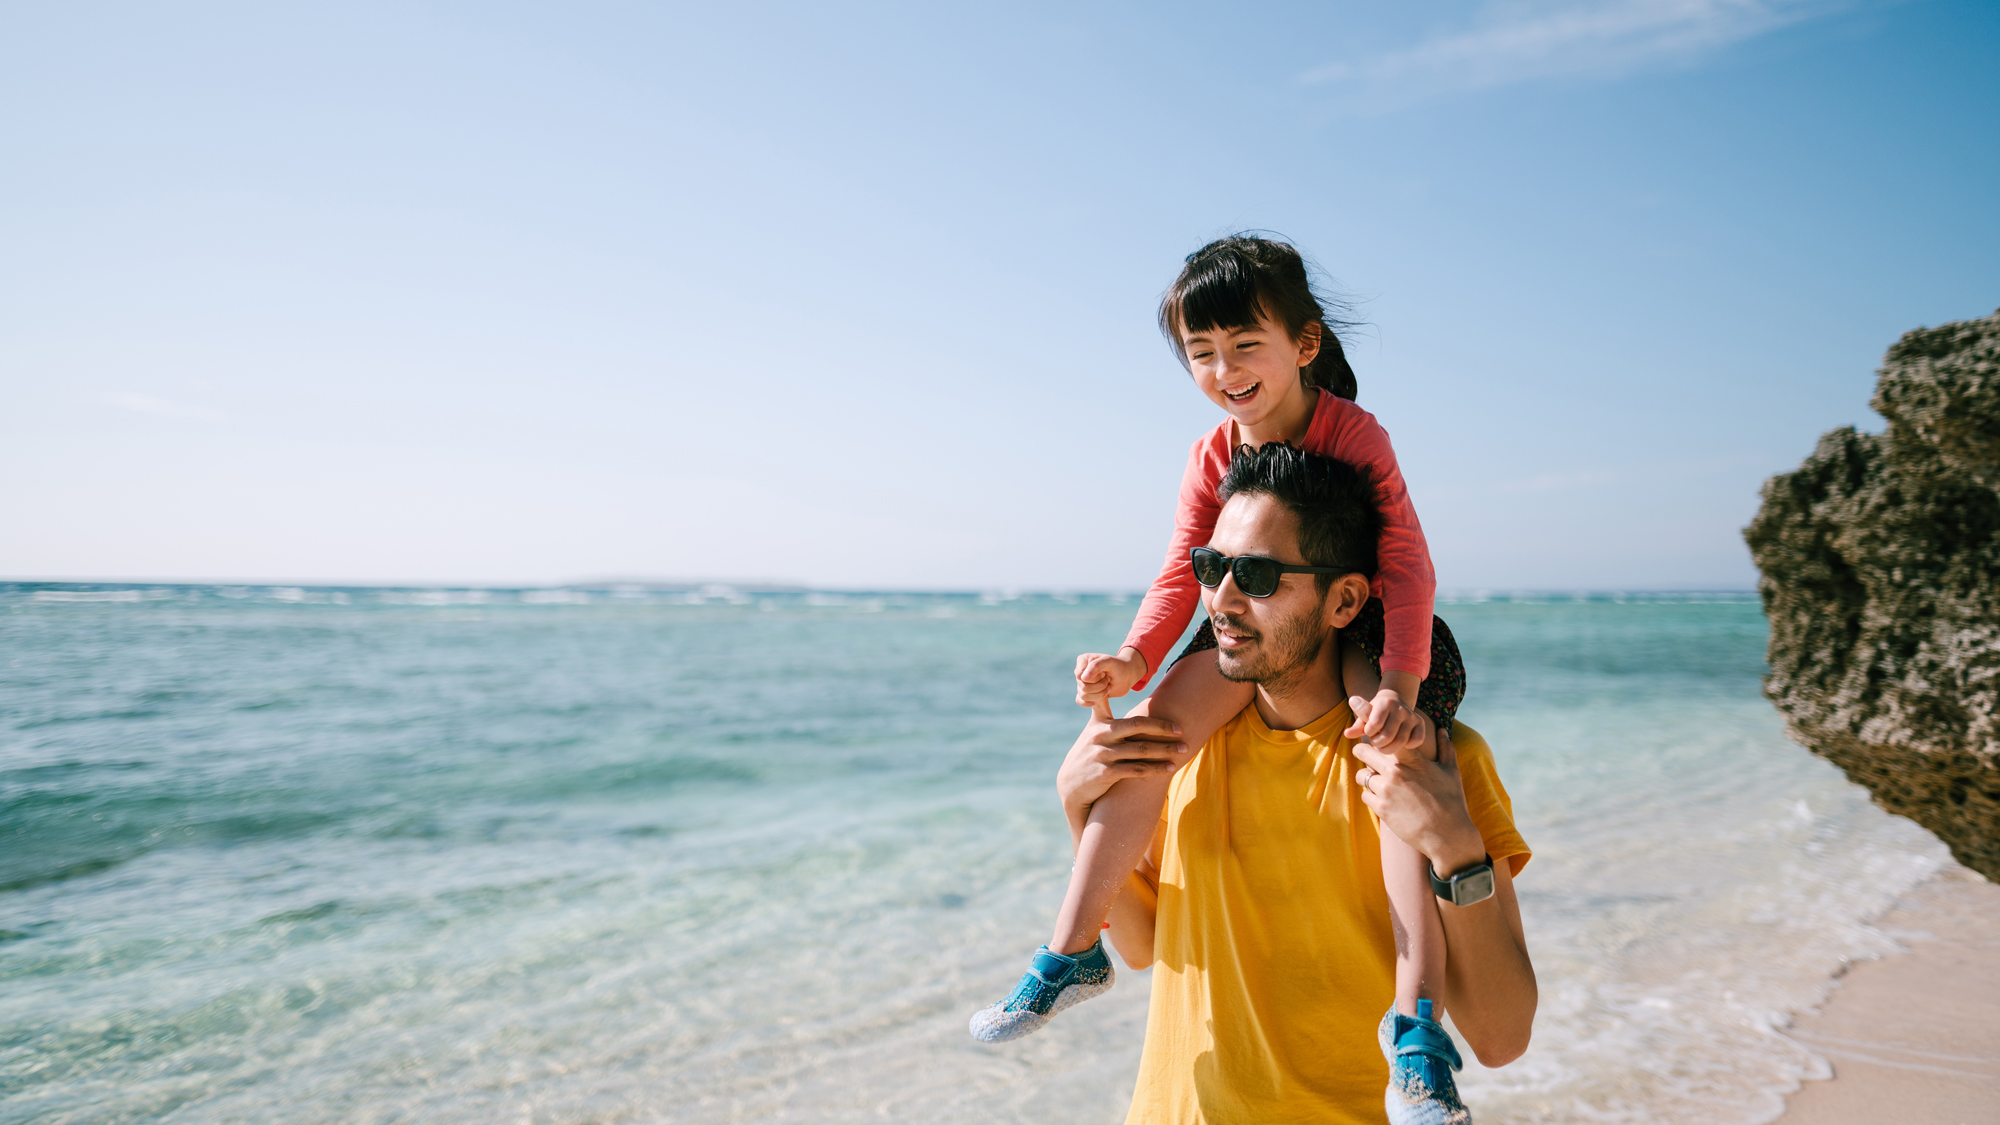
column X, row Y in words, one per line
column 1421, row 1058
column 1053, row 982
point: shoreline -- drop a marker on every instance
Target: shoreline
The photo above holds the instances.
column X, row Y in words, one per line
column 1914, row 1035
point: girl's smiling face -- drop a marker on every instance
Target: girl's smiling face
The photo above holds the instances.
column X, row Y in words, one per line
column 1253, row 372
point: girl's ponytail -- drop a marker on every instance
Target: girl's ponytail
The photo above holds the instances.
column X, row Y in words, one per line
column 1231, row 281
column 1329, row 370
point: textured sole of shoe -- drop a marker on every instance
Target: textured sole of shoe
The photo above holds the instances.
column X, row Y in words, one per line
column 1001, row 1026
column 1426, row 1110
column 1431, row 1113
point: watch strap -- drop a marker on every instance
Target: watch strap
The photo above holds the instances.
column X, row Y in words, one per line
column 1448, row 889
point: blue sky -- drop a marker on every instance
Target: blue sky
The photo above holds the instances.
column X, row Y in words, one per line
column 864, row 297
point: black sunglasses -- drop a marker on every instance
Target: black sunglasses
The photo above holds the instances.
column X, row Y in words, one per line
column 1257, row 577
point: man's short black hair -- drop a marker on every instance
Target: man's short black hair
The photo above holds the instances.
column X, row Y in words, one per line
column 1340, row 521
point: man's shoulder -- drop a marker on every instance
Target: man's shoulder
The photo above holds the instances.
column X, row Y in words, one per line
column 1486, row 796
column 1469, row 743
column 1475, row 757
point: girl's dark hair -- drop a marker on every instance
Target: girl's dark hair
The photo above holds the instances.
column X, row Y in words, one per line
column 1340, row 523
column 1229, row 282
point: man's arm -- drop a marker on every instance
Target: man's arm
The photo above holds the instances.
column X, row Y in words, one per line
column 1489, row 980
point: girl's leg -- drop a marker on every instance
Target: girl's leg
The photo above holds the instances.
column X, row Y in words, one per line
column 1420, row 948
column 1073, row 967
column 1193, row 694
column 1421, row 1055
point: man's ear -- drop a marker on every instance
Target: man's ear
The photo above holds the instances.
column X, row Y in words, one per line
column 1345, row 599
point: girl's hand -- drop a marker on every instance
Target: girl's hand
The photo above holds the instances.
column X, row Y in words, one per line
column 1100, row 677
column 1422, row 800
column 1386, row 722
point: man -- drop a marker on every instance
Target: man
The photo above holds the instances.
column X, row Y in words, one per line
column 1260, row 904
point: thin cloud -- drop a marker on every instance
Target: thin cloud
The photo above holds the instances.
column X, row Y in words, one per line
column 147, row 404
column 1517, row 43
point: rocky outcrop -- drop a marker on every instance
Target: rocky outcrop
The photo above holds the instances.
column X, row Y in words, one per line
column 1881, row 579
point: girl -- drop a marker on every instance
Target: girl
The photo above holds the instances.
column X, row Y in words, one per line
column 1246, row 324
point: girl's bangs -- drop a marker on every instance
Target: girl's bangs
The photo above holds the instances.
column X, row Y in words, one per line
column 1221, row 293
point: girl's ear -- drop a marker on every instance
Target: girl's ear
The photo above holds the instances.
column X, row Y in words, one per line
column 1309, row 343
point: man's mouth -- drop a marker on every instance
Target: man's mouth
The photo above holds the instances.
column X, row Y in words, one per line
column 1242, row 395
column 1227, row 634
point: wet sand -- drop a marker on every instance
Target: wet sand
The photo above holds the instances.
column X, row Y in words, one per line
column 1914, row 1037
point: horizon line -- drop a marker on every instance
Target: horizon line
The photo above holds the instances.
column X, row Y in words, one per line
column 723, row 587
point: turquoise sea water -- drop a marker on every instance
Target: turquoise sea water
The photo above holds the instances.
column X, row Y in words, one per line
column 301, row 855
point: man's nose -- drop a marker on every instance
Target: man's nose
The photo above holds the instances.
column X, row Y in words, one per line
column 1228, row 593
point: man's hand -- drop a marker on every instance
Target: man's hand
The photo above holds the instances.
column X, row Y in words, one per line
column 1100, row 677
column 1420, row 800
column 1111, row 749
column 1386, row 722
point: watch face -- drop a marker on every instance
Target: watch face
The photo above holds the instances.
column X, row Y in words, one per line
column 1471, row 887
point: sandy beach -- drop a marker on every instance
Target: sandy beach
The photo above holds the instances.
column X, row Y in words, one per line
column 1915, row 1036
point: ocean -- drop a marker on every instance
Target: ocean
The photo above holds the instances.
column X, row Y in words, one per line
column 285, row 854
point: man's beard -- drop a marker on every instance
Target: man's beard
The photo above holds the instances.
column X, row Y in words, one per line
column 1281, row 656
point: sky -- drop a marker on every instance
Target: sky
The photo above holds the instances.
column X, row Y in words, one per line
column 862, row 296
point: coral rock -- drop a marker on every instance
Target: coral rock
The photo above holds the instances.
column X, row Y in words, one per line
column 1880, row 561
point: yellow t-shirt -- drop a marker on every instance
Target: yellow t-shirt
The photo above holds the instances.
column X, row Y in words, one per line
column 1273, row 957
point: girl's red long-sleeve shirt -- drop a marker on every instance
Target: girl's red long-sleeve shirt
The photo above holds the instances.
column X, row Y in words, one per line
column 1404, row 579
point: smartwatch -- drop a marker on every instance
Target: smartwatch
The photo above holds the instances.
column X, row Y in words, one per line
column 1466, row 886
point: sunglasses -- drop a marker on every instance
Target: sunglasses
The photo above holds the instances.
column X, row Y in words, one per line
column 1257, row 577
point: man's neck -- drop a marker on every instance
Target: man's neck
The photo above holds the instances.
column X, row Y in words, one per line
column 1303, row 694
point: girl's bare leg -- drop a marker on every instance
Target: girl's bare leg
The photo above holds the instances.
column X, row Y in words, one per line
column 1420, row 948
column 1193, row 694
column 1420, row 951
